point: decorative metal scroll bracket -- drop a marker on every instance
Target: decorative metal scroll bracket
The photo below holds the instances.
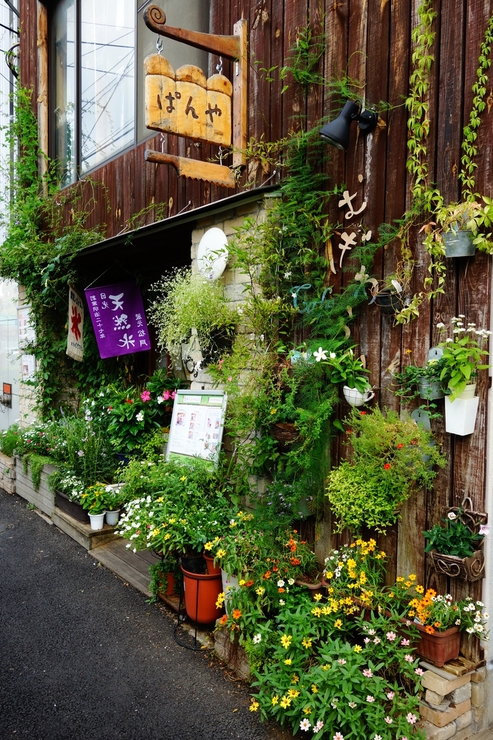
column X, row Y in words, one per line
column 233, row 47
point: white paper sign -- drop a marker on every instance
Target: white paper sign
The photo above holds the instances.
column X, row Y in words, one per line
column 197, row 424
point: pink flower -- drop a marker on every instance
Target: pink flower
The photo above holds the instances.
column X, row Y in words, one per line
column 409, row 658
column 370, row 699
column 166, row 395
column 145, row 396
column 318, row 726
column 391, row 636
column 366, row 640
column 390, row 695
column 404, row 642
column 419, row 671
column 411, row 718
column 337, row 736
column 388, row 720
column 173, row 395
column 367, row 672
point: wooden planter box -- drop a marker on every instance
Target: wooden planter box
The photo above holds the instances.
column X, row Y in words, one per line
column 43, row 498
column 7, row 473
column 469, row 569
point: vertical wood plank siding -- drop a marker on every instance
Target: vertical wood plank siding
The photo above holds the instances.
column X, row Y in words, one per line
column 371, row 41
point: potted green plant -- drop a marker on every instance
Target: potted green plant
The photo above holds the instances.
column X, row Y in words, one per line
column 466, row 226
column 463, row 355
column 391, row 457
column 350, row 370
column 189, row 303
column 422, row 381
column 389, row 293
column 455, row 546
column 94, row 502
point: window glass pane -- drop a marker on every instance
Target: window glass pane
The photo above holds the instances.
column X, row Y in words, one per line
column 107, row 79
column 65, row 91
column 191, row 15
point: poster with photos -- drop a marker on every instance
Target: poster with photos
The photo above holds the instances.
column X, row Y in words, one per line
column 197, row 424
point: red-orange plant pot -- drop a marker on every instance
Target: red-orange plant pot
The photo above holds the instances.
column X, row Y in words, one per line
column 201, row 592
column 440, row 646
column 213, row 570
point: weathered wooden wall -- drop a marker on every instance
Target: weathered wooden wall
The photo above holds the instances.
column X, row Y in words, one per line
column 371, row 41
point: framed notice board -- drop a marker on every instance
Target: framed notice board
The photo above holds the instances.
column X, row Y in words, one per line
column 197, row 424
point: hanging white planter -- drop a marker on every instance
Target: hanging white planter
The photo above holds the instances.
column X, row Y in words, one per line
column 460, row 414
column 355, row 398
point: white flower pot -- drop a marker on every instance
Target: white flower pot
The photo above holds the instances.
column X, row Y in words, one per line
column 112, row 517
column 97, row 520
column 460, row 414
column 355, row 398
column 229, row 583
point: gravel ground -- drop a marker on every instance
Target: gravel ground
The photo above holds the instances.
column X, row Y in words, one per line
column 83, row 656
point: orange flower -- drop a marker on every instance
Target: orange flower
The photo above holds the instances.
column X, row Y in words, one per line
column 236, row 613
column 429, row 629
column 223, row 619
column 281, row 590
column 266, row 575
column 249, row 583
column 294, row 561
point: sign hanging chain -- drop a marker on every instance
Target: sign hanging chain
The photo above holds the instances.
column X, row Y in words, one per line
column 219, row 67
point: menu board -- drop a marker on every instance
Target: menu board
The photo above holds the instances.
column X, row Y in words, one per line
column 197, row 424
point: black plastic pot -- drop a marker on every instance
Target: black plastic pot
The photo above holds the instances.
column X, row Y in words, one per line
column 388, row 303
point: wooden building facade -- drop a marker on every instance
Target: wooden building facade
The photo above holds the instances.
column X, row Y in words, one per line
column 370, row 42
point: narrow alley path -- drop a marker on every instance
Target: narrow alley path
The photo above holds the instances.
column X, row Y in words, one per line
column 83, row 656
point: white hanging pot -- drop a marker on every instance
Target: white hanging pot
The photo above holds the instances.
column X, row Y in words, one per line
column 460, row 414
column 355, row 398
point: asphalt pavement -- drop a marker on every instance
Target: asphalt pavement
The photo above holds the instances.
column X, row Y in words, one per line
column 84, row 656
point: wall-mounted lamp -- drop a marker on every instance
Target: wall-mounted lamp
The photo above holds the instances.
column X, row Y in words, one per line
column 337, row 131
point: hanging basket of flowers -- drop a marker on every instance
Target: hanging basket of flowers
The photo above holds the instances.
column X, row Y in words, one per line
column 456, row 546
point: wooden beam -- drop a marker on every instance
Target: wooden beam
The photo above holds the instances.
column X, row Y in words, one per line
column 226, row 46
column 195, row 169
column 240, row 96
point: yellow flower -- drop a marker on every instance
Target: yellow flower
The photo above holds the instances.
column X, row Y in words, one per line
column 329, row 575
column 295, row 679
column 155, row 532
column 254, row 706
column 260, row 590
column 285, row 702
column 208, row 546
column 220, row 553
column 314, row 689
column 412, row 577
column 317, row 611
column 338, row 624
column 306, row 643
column 317, row 597
column 326, row 667
column 293, row 693
column 399, row 579
column 286, row 641
column 288, row 661
column 275, row 700
column 183, row 478
column 172, row 520
column 307, row 710
column 273, row 411
column 419, row 589
column 159, row 500
column 167, row 536
column 358, row 648
column 242, row 582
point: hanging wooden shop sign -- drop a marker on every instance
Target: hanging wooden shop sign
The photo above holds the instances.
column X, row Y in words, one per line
column 186, row 103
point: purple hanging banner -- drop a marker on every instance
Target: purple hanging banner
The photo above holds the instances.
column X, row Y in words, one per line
column 118, row 319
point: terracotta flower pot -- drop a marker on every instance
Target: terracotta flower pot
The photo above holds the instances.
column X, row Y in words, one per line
column 212, row 570
column 201, row 592
column 170, row 586
column 440, row 646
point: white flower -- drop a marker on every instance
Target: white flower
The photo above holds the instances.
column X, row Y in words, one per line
column 305, row 725
column 287, row 275
column 257, row 638
column 452, row 515
column 440, row 325
column 320, row 354
column 280, row 583
column 140, row 416
column 332, row 355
